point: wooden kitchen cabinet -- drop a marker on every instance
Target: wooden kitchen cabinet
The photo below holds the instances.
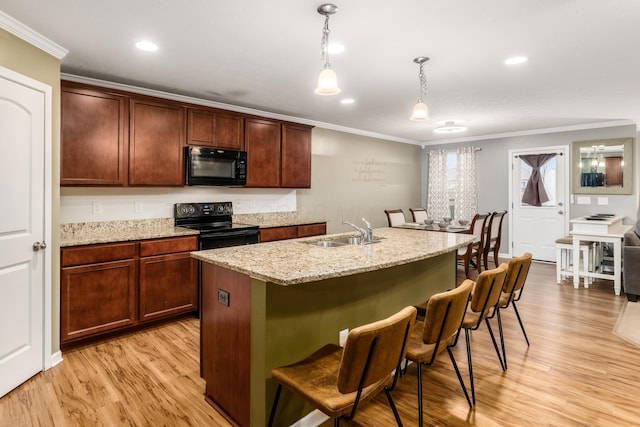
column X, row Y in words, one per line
column 156, row 139
column 262, row 141
column 94, row 134
column 168, row 277
column 296, row 156
column 308, row 230
column 98, row 290
column 292, row 232
column 117, row 286
column 215, row 128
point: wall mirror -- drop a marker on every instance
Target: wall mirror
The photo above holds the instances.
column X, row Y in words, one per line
column 603, row 166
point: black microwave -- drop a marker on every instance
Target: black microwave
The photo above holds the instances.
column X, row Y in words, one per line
column 214, row 166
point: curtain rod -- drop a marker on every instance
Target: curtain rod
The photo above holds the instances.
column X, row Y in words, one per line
column 560, row 154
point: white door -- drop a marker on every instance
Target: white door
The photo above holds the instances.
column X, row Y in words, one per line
column 24, row 119
column 535, row 228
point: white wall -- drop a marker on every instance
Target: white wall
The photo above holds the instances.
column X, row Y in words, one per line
column 354, row 176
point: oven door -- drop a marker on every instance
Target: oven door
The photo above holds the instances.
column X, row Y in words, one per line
column 228, row 238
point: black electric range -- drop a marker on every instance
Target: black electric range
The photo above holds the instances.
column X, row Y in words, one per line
column 214, row 222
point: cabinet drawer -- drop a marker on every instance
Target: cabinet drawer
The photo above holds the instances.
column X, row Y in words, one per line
column 312, row 229
column 278, row 233
column 168, row 246
column 98, row 253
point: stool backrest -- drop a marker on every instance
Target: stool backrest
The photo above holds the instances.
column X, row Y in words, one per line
column 373, row 351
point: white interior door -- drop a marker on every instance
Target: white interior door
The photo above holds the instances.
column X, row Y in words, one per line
column 535, row 228
column 24, row 119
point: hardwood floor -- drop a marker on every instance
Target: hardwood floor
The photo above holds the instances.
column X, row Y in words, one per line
column 575, row 373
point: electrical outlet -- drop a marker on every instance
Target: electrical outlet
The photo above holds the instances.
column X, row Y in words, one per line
column 343, row 336
column 96, row 207
column 138, row 207
column 223, row 297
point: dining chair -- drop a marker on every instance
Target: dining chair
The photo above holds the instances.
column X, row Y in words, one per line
column 517, row 271
column 492, row 240
column 475, row 248
column 419, row 214
column 483, row 304
column 438, row 332
column 395, row 217
column 337, row 380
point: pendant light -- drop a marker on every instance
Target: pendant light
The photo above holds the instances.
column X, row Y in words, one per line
column 327, row 81
column 420, row 110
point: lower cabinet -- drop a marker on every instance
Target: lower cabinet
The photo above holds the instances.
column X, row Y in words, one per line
column 159, row 295
column 292, row 231
column 114, row 286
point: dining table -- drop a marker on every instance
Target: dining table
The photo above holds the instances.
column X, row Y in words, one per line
column 451, row 228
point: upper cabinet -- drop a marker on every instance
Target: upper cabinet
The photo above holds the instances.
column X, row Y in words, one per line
column 215, row 128
column 114, row 138
column 279, row 154
column 296, row 156
column 95, row 137
column 262, row 140
column 156, row 140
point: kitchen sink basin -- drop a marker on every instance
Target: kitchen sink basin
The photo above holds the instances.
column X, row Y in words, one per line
column 342, row 241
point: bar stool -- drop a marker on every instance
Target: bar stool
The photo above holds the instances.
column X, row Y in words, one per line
column 564, row 247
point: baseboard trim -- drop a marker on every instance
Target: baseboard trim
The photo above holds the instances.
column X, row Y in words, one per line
column 54, row 359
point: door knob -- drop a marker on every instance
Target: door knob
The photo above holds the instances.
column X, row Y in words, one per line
column 560, row 212
column 37, row 246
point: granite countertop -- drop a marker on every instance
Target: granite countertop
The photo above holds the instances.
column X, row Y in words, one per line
column 274, row 219
column 291, row 262
column 87, row 233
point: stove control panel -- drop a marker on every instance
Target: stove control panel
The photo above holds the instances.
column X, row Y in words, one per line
column 200, row 210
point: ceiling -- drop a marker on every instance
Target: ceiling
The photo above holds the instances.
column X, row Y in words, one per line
column 583, row 65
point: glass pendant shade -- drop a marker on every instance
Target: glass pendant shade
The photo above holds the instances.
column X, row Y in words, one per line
column 327, row 83
column 420, row 112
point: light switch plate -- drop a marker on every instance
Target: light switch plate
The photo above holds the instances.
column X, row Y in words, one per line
column 584, row 200
column 603, row 201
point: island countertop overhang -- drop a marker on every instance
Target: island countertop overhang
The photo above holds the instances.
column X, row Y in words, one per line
column 292, row 262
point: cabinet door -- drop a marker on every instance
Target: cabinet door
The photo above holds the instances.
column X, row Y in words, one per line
column 278, row 233
column 296, row 156
column 262, row 141
column 157, row 136
column 168, row 285
column 214, row 128
column 307, row 230
column 97, row 298
column 94, row 133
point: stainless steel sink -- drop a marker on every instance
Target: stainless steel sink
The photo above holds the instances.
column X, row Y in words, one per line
column 327, row 243
column 342, row 241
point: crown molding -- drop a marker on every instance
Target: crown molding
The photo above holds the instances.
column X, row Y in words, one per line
column 25, row 33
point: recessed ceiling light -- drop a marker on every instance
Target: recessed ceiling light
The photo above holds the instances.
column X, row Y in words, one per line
column 147, row 46
column 336, row 47
column 516, row 60
column 450, row 127
column 347, row 101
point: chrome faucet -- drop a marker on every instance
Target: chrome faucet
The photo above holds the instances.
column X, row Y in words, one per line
column 366, row 234
column 369, row 231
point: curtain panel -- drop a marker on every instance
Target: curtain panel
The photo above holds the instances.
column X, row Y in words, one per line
column 466, row 200
column 535, row 193
column 437, row 196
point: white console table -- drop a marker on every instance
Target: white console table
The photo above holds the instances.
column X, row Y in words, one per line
column 599, row 229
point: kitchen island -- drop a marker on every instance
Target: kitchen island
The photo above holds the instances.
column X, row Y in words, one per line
column 271, row 304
